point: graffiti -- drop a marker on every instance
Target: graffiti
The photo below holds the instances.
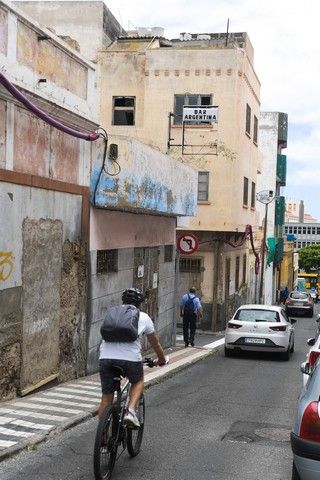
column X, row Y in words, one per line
column 6, row 265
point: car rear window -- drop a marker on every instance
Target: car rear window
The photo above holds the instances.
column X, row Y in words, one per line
column 257, row 315
column 299, row 295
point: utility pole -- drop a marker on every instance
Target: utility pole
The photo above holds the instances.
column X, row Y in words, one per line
column 265, row 197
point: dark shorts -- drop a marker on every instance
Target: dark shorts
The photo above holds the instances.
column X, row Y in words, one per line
column 132, row 370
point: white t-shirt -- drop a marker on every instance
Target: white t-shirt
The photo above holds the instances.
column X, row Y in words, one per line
column 128, row 350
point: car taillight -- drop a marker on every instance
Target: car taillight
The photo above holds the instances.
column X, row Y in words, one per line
column 233, row 325
column 287, row 301
column 309, row 302
column 280, row 328
column 310, row 423
column 314, row 354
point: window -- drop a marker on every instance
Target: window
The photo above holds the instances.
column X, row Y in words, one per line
column 313, row 230
column 304, row 230
column 299, row 230
column 309, row 230
column 203, row 186
column 123, row 110
column 245, row 191
column 254, row 314
column 190, row 265
column 295, row 230
column 253, row 195
column 168, row 253
column 255, row 129
column 237, row 273
column 318, row 231
column 107, row 261
column 244, row 268
column 189, row 99
column 248, row 120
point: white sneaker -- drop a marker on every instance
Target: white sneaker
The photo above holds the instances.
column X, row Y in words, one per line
column 130, row 419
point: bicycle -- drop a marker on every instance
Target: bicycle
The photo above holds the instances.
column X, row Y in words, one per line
column 112, row 433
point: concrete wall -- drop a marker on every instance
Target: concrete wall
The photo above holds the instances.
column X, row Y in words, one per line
column 149, row 181
column 106, row 290
column 90, row 24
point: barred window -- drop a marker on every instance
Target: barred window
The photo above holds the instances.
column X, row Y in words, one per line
column 189, row 99
column 107, row 261
column 190, row 265
column 168, row 253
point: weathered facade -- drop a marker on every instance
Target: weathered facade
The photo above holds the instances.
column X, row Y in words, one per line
column 44, row 215
column 273, row 140
column 150, row 79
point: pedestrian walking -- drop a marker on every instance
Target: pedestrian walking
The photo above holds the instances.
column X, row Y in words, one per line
column 191, row 312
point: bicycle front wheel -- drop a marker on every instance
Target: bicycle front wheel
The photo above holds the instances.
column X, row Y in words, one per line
column 106, row 444
column 135, row 435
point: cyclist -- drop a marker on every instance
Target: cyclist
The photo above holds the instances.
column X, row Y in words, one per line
column 128, row 356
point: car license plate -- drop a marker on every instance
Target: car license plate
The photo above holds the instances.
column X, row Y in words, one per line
column 297, row 304
column 255, row 340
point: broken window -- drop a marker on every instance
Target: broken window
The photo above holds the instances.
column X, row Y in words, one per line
column 123, row 111
column 192, row 100
column 203, row 186
column 107, row 261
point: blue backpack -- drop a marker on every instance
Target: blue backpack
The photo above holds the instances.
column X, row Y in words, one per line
column 189, row 306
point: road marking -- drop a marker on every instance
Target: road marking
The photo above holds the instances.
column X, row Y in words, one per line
column 215, row 344
column 66, row 395
column 37, row 406
column 75, row 390
column 7, row 443
column 14, row 433
column 36, row 426
column 24, row 413
column 64, row 402
column 4, row 420
column 87, row 382
column 90, row 387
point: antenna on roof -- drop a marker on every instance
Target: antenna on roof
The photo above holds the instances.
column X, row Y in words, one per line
column 227, row 32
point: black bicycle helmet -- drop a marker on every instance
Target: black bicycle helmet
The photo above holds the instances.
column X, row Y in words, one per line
column 132, row 296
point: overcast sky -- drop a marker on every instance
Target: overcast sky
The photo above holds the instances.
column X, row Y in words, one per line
column 286, row 40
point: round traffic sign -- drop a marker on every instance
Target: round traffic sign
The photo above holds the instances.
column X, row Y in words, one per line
column 187, row 243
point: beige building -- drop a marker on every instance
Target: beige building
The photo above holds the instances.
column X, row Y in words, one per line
column 145, row 82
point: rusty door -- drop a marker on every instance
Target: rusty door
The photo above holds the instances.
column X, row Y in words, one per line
column 146, row 278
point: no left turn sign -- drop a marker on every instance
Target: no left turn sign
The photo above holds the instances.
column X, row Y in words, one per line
column 187, row 243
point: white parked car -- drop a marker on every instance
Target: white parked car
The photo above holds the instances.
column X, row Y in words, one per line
column 264, row 328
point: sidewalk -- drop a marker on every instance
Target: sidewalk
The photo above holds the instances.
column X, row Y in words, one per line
column 28, row 421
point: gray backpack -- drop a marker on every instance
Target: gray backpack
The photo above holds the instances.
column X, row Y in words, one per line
column 120, row 324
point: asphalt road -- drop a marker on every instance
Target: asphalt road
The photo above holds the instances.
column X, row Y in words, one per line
column 223, row 419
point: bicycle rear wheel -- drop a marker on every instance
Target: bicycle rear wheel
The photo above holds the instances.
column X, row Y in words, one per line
column 135, row 435
column 106, row 444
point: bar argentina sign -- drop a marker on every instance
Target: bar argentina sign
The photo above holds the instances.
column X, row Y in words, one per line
column 200, row 113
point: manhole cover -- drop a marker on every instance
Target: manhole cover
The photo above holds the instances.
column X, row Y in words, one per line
column 276, row 434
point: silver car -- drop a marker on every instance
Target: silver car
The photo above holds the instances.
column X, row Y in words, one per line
column 305, row 435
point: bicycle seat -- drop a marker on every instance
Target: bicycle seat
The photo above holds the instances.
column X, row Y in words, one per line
column 118, row 371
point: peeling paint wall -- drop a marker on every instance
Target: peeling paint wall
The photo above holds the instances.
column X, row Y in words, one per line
column 43, row 293
column 51, row 62
column 149, row 181
column 3, row 31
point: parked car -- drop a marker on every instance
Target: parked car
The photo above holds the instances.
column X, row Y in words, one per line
column 313, row 353
column 305, row 435
column 260, row 328
column 299, row 303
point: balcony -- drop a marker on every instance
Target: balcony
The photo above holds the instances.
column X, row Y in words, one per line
column 281, row 169
column 148, row 181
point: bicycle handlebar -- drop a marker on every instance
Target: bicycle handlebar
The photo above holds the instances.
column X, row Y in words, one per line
column 153, row 363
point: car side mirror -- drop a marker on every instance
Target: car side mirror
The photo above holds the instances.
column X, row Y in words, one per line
column 305, row 368
column 311, row 342
column 293, row 320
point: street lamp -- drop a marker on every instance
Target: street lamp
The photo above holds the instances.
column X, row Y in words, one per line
column 265, row 197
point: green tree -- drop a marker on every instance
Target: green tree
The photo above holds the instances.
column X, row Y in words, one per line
column 309, row 258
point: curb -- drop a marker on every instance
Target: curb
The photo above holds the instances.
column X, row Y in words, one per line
column 31, row 444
